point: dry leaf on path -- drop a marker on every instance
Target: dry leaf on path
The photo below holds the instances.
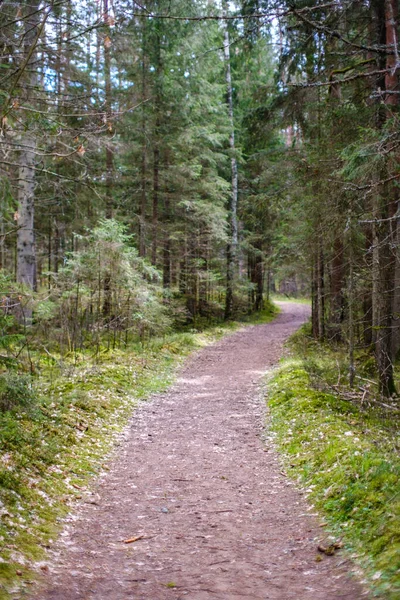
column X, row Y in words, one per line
column 134, row 539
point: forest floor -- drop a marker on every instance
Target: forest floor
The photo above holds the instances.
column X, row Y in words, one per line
column 195, row 505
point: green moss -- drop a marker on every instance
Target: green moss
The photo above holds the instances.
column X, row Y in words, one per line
column 346, row 458
column 50, row 453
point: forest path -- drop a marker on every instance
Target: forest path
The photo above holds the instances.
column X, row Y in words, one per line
column 218, row 518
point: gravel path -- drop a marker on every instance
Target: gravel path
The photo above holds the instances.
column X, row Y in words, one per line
column 218, row 518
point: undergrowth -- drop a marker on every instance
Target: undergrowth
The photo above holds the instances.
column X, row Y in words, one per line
column 52, row 446
column 346, row 453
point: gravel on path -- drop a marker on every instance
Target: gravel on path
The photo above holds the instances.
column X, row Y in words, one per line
column 215, row 517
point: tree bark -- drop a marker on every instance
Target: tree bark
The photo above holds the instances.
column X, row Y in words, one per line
column 321, row 291
column 108, row 106
column 156, row 152
column 143, row 191
column 231, row 252
column 26, row 253
column 337, row 282
column 167, row 243
column 384, row 238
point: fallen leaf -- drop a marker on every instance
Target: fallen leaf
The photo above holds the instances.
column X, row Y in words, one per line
column 77, row 487
column 134, row 539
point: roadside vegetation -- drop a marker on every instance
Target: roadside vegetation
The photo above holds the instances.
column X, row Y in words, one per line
column 342, row 445
column 61, row 424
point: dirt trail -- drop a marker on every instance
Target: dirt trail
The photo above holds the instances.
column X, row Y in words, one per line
column 219, row 519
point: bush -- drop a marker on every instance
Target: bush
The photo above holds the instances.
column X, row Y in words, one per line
column 16, row 391
column 105, row 291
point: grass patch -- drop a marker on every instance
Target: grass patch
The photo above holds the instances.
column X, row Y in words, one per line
column 266, row 315
column 346, row 454
column 51, row 449
column 286, row 298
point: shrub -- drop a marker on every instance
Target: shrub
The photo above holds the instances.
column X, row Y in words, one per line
column 16, row 391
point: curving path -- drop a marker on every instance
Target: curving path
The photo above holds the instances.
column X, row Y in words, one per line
column 218, row 518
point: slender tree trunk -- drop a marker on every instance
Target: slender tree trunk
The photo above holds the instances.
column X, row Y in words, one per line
column 367, row 295
column 321, row 291
column 337, row 282
column 26, row 253
column 391, row 82
column 156, row 189
column 385, row 208
column 396, row 293
column 107, row 304
column 351, row 301
column 156, row 153
column 231, row 253
column 314, row 296
column 108, row 105
column 143, row 191
column 167, row 242
column 256, row 276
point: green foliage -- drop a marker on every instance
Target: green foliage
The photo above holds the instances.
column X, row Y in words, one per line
column 346, row 455
column 48, row 455
column 105, row 289
column 16, row 391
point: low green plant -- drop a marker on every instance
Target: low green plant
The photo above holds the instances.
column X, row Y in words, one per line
column 16, row 391
column 345, row 454
column 50, row 454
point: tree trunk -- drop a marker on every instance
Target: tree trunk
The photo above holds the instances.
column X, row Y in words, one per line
column 167, row 243
column 367, row 295
column 337, row 282
column 156, row 188
column 26, row 254
column 231, row 251
column 143, row 191
column 321, row 291
column 396, row 293
column 156, row 152
column 383, row 299
column 385, row 208
column 314, row 296
column 108, row 104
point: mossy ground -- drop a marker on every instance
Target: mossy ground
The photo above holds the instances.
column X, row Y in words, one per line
column 51, row 451
column 346, row 454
